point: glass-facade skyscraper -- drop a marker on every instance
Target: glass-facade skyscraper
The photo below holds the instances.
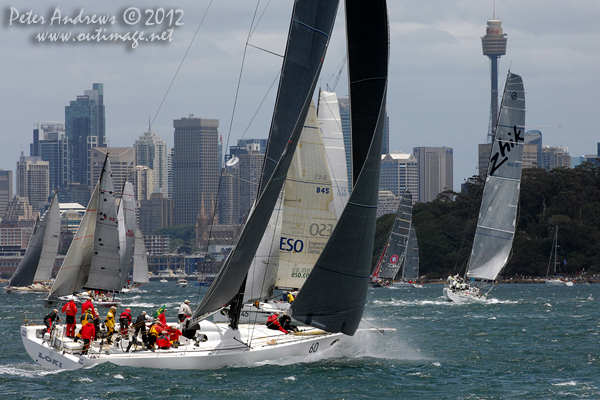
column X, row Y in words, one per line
column 85, row 128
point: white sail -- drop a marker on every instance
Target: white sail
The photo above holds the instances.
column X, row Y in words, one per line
column 127, row 224
column 498, row 213
column 105, row 270
column 333, row 140
column 75, row 268
column 260, row 283
column 51, row 238
column 308, row 208
column 140, row 259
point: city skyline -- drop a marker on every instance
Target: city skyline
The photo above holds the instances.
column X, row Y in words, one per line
column 438, row 93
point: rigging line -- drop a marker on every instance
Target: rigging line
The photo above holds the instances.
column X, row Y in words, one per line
column 237, row 91
column 180, row 64
column 261, row 103
column 265, row 50
column 260, row 18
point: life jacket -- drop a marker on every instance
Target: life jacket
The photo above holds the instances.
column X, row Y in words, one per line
column 87, row 318
column 110, row 319
column 125, row 315
column 156, row 329
column 163, row 342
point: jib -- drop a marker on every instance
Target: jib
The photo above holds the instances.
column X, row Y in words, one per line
column 289, row 244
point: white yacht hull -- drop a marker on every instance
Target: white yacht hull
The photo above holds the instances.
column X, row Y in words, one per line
column 558, row 282
column 223, row 347
column 23, row 290
column 59, row 301
column 462, row 296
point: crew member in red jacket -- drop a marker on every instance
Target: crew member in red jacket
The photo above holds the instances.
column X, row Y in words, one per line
column 163, row 341
column 87, row 305
column 88, row 332
column 71, row 310
column 273, row 323
column 125, row 320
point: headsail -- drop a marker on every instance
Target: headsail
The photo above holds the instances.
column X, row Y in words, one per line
column 310, row 29
column 308, row 208
column 411, row 260
column 127, row 224
column 395, row 251
column 497, row 216
column 38, row 261
column 140, row 259
column 333, row 297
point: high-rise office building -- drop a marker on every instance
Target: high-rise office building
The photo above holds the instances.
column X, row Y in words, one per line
column 151, row 151
column 239, row 183
column 122, row 160
column 170, row 178
column 555, row 157
column 6, row 190
column 435, row 171
column 344, row 104
column 85, row 128
column 399, row 171
column 195, row 167
column 51, row 144
column 143, row 182
column 33, row 180
column 155, row 213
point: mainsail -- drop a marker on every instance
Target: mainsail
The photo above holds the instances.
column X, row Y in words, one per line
column 334, row 295
column 333, row 140
column 395, row 251
column 308, row 37
column 498, row 213
column 75, row 272
column 38, row 261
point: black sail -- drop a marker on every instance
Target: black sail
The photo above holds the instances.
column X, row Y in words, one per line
column 334, row 295
column 395, row 251
column 25, row 272
column 310, row 29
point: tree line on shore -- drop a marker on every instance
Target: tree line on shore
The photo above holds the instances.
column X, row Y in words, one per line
column 565, row 198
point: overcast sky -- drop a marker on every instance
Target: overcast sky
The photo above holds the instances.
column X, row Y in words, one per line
column 439, row 83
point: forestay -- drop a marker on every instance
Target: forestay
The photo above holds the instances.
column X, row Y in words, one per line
column 497, row 216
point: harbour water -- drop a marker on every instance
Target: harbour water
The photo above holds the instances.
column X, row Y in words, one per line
column 529, row 341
